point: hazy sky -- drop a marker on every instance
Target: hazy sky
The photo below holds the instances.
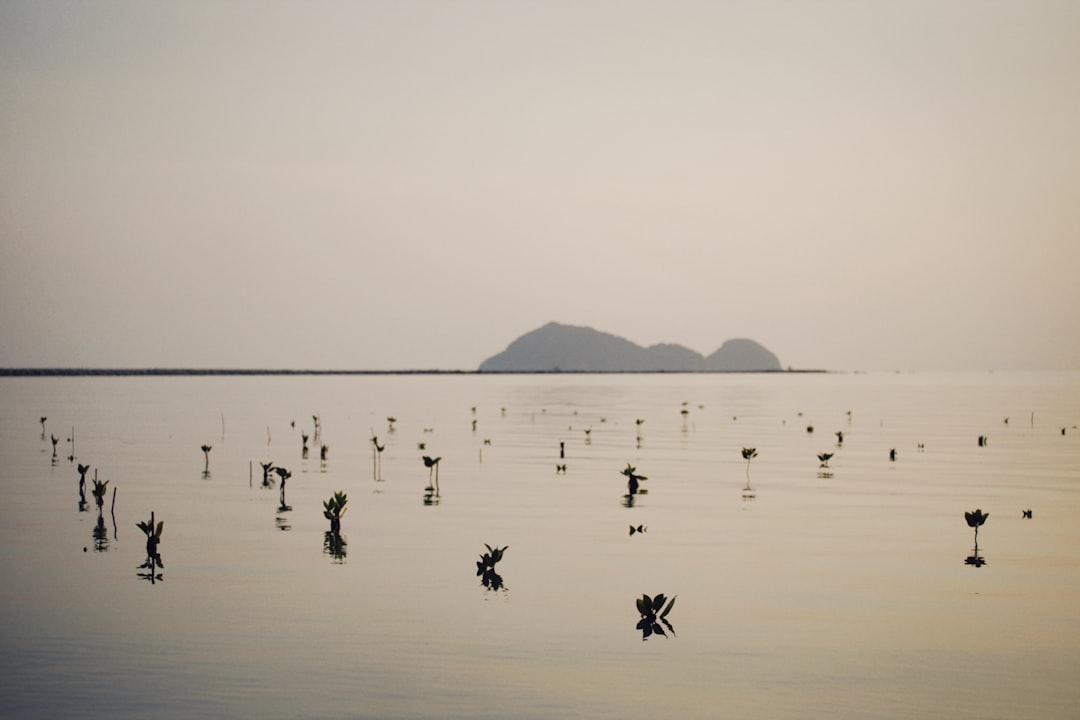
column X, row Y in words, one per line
column 399, row 184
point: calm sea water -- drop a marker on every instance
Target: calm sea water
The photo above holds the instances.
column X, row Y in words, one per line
column 802, row 592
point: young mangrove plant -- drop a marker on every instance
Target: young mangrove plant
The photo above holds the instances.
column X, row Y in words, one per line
column 839, row 437
column 267, row 468
column 432, row 464
column 632, row 479
column 98, row 492
column 323, row 451
column 638, row 529
column 83, row 469
column 153, row 537
column 892, row 454
column 824, row 458
column 55, row 440
column 748, row 455
column 206, row 454
column 43, row 419
column 485, row 567
column 334, row 509
column 390, row 424
column 976, row 520
column 376, row 456
column 304, row 449
column 284, row 475
column 653, row 612
column 638, row 422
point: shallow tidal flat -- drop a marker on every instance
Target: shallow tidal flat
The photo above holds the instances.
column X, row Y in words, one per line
column 801, row 591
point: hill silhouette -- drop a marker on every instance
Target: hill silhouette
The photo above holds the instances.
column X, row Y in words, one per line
column 569, row 348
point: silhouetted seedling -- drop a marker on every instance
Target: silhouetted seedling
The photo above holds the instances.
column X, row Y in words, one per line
column 304, row 447
column 685, row 416
column 99, row 492
column 376, row 457
column 839, row 437
column 390, row 424
column 206, row 453
column 638, row 529
column 654, row 615
column 892, row 454
column 485, row 567
column 55, row 440
column 560, row 469
column 824, row 458
column 976, row 520
column 43, row 419
column 982, row 441
column 323, row 451
column 1026, row 514
column 267, row 468
column 284, row 475
column 334, row 509
column 83, row 469
column 153, row 535
column 432, row 464
column 633, row 479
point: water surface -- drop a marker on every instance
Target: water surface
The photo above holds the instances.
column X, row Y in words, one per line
column 802, row 592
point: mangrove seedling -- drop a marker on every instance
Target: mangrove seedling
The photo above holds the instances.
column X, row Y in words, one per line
column 334, row 509
column 99, row 493
column 376, row 456
column 153, row 537
column 632, row 478
column 748, row 455
column 432, row 464
column 485, row 567
column 638, row 529
column 839, row 437
column 267, row 468
column 653, row 612
column 304, row 449
column 892, row 454
column 390, row 424
column 824, row 459
column 685, row 415
column 43, row 419
column 284, row 475
column 206, row 453
column 560, row 469
column 55, row 440
column 323, row 451
column 976, row 520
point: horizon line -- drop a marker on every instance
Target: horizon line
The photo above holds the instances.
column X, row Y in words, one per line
column 160, row 371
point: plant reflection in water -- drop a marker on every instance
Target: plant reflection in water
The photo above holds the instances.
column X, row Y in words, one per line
column 654, row 615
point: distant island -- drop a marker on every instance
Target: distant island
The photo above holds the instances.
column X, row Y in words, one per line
column 568, row 348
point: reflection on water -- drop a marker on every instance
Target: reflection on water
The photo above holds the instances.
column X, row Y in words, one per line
column 335, row 545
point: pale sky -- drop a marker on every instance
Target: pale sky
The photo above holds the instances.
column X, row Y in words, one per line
column 414, row 184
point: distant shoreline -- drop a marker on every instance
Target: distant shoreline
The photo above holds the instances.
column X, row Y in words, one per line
column 174, row 372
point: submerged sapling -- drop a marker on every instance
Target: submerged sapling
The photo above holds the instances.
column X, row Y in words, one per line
column 206, row 453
